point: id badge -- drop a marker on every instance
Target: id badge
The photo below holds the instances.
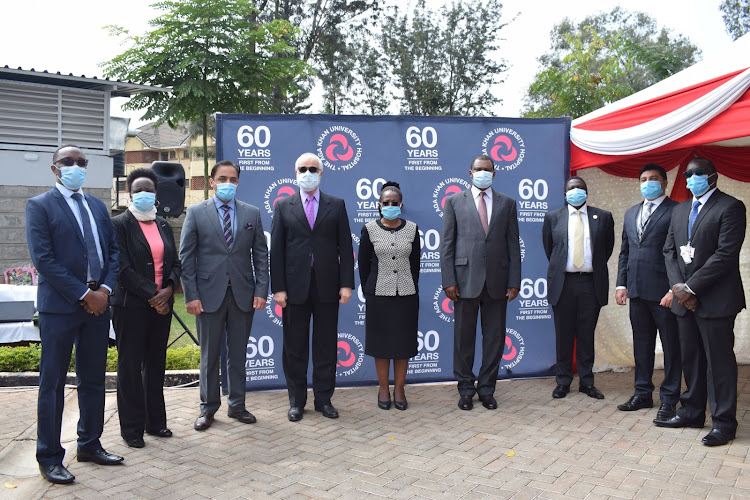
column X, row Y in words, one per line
column 687, row 253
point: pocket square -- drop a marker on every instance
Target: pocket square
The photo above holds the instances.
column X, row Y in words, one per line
column 249, row 226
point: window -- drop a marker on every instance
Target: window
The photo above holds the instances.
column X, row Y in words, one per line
column 186, row 154
column 197, row 183
column 164, row 157
column 172, row 155
column 122, row 186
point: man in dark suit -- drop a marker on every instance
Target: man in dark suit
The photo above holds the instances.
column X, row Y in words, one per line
column 312, row 272
column 225, row 278
column 578, row 240
column 480, row 262
column 702, row 254
column 642, row 278
column 73, row 246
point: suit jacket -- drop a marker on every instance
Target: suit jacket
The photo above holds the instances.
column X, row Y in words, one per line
column 58, row 250
column 714, row 273
column 641, row 267
column 293, row 245
column 555, row 239
column 135, row 283
column 469, row 258
column 209, row 266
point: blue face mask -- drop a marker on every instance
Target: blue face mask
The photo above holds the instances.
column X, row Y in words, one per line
column 576, row 197
column 651, row 189
column 390, row 213
column 698, row 185
column 226, row 191
column 144, row 201
column 482, row 178
column 72, row 177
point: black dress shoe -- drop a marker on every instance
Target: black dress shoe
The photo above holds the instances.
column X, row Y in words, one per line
column 591, row 391
column 666, row 411
column 99, row 457
column 384, row 405
column 717, row 438
column 560, row 391
column 57, row 474
column 465, row 402
column 488, row 401
column 327, row 410
column 678, row 421
column 203, row 422
column 162, row 433
column 401, row 405
column 295, row 413
column 135, row 442
column 243, row 416
column 636, row 403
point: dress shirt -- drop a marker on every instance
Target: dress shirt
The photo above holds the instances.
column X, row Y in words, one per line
column 316, row 203
column 232, row 213
column 488, row 200
column 587, row 266
column 703, row 199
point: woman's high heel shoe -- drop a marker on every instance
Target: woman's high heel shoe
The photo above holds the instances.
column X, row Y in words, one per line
column 384, row 405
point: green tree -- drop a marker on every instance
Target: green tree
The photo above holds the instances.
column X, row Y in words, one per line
column 370, row 79
column 215, row 56
column 736, row 15
column 602, row 59
column 445, row 62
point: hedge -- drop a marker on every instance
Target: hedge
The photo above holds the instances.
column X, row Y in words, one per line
column 26, row 358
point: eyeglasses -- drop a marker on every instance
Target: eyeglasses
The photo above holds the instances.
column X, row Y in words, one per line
column 69, row 162
column 312, row 170
column 697, row 171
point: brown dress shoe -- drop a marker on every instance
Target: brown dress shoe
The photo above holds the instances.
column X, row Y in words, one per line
column 203, row 422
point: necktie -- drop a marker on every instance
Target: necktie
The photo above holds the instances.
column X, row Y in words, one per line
column 227, row 219
column 645, row 217
column 693, row 216
column 95, row 267
column 483, row 212
column 578, row 239
column 310, row 210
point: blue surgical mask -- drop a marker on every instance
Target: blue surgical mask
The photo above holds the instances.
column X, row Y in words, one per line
column 308, row 181
column 651, row 189
column 226, row 191
column 576, row 197
column 698, row 185
column 72, row 177
column 390, row 213
column 144, row 201
column 482, row 178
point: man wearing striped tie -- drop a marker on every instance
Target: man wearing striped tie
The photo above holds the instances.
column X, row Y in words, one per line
column 578, row 240
column 225, row 278
column 642, row 278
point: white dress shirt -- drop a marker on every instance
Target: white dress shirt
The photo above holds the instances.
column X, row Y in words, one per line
column 487, row 199
column 587, row 266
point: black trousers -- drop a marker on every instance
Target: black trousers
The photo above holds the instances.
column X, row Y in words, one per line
column 296, row 350
column 646, row 317
column 710, row 368
column 464, row 340
column 142, row 336
column 576, row 315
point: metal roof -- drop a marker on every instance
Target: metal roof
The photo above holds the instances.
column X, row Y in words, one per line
column 116, row 87
column 163, row 136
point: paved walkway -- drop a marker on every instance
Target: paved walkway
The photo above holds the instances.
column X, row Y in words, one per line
column 531, row 447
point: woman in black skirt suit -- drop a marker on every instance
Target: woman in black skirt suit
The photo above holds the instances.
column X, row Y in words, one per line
column 389, row 271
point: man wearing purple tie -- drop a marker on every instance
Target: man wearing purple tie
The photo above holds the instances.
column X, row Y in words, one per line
column 312, row 272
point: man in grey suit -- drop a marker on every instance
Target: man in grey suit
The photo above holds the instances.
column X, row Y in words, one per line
column 480, row 262
column 702, row 254
column 225, row 279
column 578, row 240
column 642, row 278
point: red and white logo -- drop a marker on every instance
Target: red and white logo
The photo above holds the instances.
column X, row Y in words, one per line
column 351, row 353
column 446, row 188
column 278, row 190
column 515, row 347
column 339, row 148
column 274, row 311
column 442, row 305
column 506, row 147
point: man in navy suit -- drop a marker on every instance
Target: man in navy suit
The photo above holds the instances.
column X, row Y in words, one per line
column 702, row 254
column 312, row 272
column 642, row 278
column 578, row 240
column 74, row 248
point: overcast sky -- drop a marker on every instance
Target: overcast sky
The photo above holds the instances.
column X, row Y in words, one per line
column 69, row 36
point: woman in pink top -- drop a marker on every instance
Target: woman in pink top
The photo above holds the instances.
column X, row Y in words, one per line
column 142, row 302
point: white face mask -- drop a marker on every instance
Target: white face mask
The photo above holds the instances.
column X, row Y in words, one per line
column 308, row 181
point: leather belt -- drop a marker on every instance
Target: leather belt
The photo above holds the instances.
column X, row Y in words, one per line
column 581, row 273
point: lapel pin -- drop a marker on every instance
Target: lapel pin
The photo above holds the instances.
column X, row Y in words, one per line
column 596, row 216
column 249, row 226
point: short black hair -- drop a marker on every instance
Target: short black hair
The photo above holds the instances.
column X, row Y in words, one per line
column 704, row 163
column 653, row 166
column 392, row 186
column 575, row 177
column 56, row 154
column 224, row 163
column 142, row 172
column 482, row 157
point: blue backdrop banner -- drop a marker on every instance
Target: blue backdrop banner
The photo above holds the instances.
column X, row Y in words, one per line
column 430, row 158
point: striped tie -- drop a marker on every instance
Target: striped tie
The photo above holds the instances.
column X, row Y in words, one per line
column 227, row 226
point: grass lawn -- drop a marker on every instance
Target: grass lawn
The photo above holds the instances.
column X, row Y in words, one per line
column 189, row 319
